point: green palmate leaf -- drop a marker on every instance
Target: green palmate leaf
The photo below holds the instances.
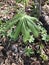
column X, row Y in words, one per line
column 17, row 31
column 25, row 32
column 24, row 24
column 24, row 1
column 33, row 29
column 20, row 18
column 31, row 39
column 33, row 21
column 31, row 18
column 43, row 32
column 41, row 46
column 29, row 51
column 47, row 38
column 43, row 55
column 9, row 24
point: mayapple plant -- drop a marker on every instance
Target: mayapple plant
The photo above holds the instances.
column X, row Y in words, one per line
column 25, row 25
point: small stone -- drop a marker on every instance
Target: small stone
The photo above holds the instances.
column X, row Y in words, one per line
column 14, row 48
column 13, row 64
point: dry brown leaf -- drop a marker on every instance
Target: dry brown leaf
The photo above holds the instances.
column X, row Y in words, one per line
column 1, row 47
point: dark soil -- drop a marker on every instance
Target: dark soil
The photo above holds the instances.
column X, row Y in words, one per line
column 12, row 53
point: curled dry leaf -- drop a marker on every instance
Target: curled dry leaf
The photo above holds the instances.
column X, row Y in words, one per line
column 1, row 47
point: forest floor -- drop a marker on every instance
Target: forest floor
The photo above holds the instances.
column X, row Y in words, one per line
column 11, row 53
